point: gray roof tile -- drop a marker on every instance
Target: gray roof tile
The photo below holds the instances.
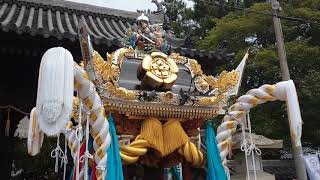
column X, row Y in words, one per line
column 60, row 18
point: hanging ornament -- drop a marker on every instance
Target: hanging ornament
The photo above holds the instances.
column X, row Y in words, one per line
column 35, row 135
column 7, row 130
column 22, row 130
column 55, row 90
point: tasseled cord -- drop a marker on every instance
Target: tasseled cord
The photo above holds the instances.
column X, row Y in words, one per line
column 58, row 153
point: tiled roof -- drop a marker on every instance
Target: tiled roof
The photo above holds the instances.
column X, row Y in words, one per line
column 59, row 18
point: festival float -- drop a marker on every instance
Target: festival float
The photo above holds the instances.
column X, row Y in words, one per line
column 142, row 105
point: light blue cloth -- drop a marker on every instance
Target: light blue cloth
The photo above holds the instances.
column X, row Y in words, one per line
column 114, row 165
column 176, row 173
column 71, row 173
column 215, row 168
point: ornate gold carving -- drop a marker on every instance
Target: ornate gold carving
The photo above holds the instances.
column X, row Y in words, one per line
column 178, row 59
column 159, row 70
column 109, row 73
column 201, row 84
column 123, row 93
column 226, row 81
column 214, row 100
column 195, row 68
column 103, row 68
column 168, row 97
column 75, row 110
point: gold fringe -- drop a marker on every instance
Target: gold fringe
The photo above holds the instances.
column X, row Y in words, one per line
column 173, row 136
column 151, row 131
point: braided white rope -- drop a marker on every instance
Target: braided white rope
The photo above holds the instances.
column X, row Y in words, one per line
column 54, row 101
column 99, row 126
column 284, row 91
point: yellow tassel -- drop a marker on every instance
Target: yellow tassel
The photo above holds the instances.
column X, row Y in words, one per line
column 151, row 131
column 173, row 136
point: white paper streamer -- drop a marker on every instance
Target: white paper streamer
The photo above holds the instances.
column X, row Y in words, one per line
column 312, row 164
column 22, row 129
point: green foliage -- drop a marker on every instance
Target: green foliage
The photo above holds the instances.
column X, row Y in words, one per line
column 236, row 27
column 303, row 55
column 253, row 29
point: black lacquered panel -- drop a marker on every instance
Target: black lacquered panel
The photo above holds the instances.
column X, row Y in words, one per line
column 129, row 80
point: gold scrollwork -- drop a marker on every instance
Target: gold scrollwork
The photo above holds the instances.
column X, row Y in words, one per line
column 167, row 97
column 195, row 68
column 109, row 71
column 227, row 80
column 213, row 100
column 178, row 59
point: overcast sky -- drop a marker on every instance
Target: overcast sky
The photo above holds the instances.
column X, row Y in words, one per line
column 129, row 5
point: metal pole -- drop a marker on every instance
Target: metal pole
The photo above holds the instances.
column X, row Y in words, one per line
column 297, row 150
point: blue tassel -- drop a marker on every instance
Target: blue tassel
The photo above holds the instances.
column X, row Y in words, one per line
column 71, row 173
column 114, row 165
column 215, row 167
column 176, row 173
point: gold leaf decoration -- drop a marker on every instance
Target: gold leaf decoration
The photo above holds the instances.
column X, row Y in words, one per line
column 123, row 93
column 201, row 84
column 103, row 68
column 227, row 80
column 195, row 67
column 214, row 100
column 178, row 59
column 167, row 97
column 211, row 80
column 75, row 109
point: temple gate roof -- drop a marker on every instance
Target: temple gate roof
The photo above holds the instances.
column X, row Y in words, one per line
column 59, row 18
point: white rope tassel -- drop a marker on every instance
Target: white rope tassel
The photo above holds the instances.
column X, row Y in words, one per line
column 87, row 154
column 252, row 148
column 244, row 147
column 65, row 159
column 79, row 136
column 55, row 90
column 284, row 91
column 249, row 149
column 289, row 94
column 57, row 153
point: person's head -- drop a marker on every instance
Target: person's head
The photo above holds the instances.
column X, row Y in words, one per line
column 144, row 24
column 143, row 21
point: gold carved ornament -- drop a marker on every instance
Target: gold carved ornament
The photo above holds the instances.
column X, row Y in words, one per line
column 160, row 70
column 223, row 83
column 109, row 71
